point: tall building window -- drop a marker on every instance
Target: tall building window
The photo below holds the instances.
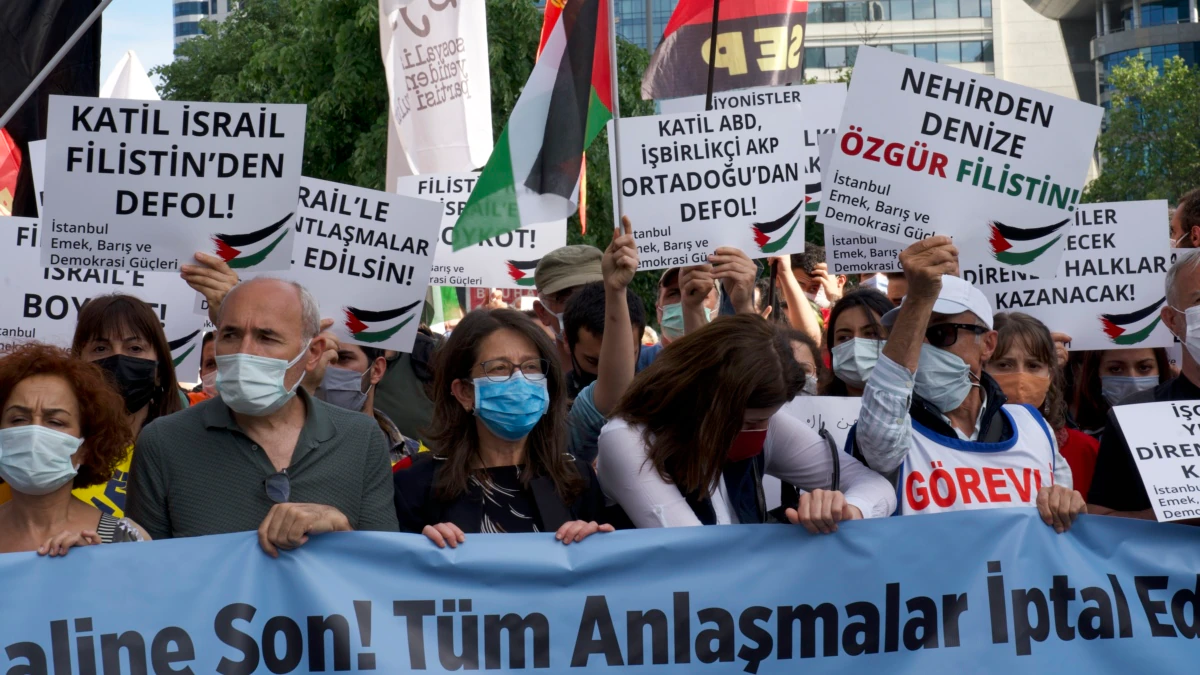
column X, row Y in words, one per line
column 946, row 9
column 926, row 51
column 968, row 8
column 187, row 28
column 902, row 10
column 948, row 52
column 191, row 8
column 922, row 9
column 814, row 57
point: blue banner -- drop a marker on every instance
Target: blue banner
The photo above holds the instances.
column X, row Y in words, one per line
column 984, row 592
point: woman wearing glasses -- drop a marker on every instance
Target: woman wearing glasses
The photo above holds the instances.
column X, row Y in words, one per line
column 501, row 465
column 693, row 437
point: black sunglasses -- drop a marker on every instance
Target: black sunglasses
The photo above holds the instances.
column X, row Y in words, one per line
column 944, row 335
column 279, row 488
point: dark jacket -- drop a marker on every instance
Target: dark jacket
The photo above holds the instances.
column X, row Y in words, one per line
column 418, row 505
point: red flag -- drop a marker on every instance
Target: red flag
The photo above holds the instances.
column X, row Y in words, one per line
column 759, row 43
column 550, row 17
column 10, row 168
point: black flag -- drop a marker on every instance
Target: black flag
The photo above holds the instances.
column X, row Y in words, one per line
column 31, row 32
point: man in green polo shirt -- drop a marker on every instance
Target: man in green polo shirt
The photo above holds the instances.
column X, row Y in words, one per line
column 263, row 454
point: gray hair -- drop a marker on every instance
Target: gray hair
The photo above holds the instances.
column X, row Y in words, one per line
column 1186, row 262
column 310, row 309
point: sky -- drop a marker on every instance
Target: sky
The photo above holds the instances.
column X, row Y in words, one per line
column 145, row 26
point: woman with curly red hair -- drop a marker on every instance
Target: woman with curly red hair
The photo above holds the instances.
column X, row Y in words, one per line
column 62, row 426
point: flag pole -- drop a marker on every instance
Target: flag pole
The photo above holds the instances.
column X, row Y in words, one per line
column 62, row 52
column 712, row 54
column 616, row 108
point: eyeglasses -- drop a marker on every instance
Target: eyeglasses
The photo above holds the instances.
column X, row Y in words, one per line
column 944, row 335
column 501, row 370
column 279, row 488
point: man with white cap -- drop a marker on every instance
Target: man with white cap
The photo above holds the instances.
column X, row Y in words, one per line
column 933, row 418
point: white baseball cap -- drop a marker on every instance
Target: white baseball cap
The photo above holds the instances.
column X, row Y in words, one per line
column 957, row 296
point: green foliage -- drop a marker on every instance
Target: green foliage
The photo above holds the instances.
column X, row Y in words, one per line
column 1151, row 145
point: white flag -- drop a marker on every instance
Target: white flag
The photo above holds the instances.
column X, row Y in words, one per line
column 436, row 59
column 129, row 80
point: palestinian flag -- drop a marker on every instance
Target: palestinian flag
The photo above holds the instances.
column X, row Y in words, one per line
column 378, row 326
column 1130, row 329
column 521, row 271
column 550, row 15
column 772, row 236
column 10, row 168
column 182, row 348
column 242, row 251
column 1030, row 243
column 812, row 198
column 533, row 174
column 747, row 32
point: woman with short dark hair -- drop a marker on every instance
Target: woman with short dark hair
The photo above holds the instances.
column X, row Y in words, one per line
column 854, row 336
column 692, row 438
column 501, row 465
column 62, row 427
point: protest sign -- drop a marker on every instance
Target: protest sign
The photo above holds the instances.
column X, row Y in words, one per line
column 984, row 592
column 694, row 182
column 1109, row 286
column 365, row 255
column 505, row 261
column 821, row 106
column 836, row 414
column 145, row 185
column 37, row 167
column 929, row 149
column 1164, row 439
column 42, row 303
column 853, row 252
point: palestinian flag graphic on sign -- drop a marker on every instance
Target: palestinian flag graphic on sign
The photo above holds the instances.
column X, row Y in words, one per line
column 378, row 326
column 772, row 236
column 533, row 174
column 1030, row 243
column 522, row 271
column 242, row 251
column 178, row 352
column 1132, row 328
column 759, row 43
column 812, row 205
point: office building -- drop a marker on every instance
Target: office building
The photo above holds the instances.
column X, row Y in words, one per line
column 631, row 20
column 188, row 14
column 1103, row 33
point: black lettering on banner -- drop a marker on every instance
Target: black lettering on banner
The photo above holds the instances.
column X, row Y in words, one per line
column 293, row 644
column 171, row 645
column 469, row 658
column 748, row 623
column 597, row 618
column 1024, row 631
column 1096, row 622
column 535, row 624
column 1061, row 596
column 1154, row 608
column 861, row 637
column 111, row 645
column 635, row 630
column 339, row 628
column 722, row 635
column 1179, row 610
column 808, row 616
column 414, row 612
column 223, row 627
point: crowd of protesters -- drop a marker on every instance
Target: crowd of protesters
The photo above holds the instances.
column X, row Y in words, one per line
column 563, row 420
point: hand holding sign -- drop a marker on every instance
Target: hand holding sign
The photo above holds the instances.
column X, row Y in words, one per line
column 820, row 511
column 736, row 272
column 925, row 262
column 1059, row 506
column 620, row 259
column 212, row 278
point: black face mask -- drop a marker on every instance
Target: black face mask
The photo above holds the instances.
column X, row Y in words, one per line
column 135, row 378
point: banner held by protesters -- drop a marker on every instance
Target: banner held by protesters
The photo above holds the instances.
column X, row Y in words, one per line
column 146, row 185
column 504, row 261
column 694, row 182
column 986, row 151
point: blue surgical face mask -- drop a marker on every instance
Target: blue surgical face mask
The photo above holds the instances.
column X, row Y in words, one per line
column 942, row 379
column 512, row 408
column 36, row 460
column 254, row 385
column 853, row 360
column 344, row 388
column 672, row 320
column 1118, row 388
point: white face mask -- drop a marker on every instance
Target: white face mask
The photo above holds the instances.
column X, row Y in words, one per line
column 36, row 460
column 254, row 385
column 853, row 360
column 942, row 378
column 208, row 384
column 810, row 386
column 819, row 298
column 1191, row 339
column 1116, row 388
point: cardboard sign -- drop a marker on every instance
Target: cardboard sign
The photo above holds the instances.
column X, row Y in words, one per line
column 822, row 105
column 929, row 149
column 506, row 261
column 694, row 182
column 1164, row 439
column 42, row 303
column 37, row 167
column 144, row 185
column 366, row 256
column 1109, row 286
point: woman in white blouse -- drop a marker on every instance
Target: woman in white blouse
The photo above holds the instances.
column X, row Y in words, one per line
column 698, row 429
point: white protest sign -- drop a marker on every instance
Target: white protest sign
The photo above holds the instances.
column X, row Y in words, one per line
column 835, row 413
column 1164, row 439
column 929, row 149
column 43, row 303
column 365, row 255
column 37, row 167
column 145, row 185
column 856, row 253
column 822, row 105
column 1108, row 290
column 694, row 182
column 504, row 261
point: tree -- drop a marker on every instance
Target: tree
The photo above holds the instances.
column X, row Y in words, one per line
column 325, row 53
column 1150, row 146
